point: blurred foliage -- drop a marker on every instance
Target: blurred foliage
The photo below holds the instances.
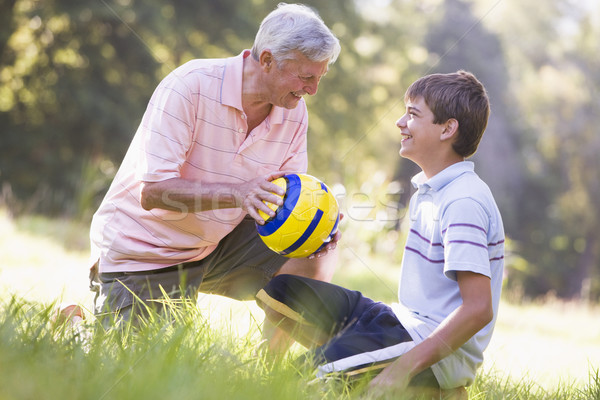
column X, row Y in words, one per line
column 75, row 78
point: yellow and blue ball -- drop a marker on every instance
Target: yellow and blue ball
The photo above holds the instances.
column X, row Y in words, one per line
column 305, row 222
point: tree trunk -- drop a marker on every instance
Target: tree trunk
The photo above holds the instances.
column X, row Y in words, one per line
column 579, row 284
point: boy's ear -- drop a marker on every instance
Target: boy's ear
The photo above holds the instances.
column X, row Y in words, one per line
column 450, row 129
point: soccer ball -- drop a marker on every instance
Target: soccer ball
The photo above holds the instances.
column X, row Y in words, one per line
column 305, row 222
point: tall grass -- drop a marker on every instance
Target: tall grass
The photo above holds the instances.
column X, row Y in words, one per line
column 178, row 356
column 209, row 350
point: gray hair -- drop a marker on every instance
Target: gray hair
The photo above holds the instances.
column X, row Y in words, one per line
column 296, row 27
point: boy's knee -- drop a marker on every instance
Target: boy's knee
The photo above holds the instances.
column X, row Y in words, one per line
column 274, row 290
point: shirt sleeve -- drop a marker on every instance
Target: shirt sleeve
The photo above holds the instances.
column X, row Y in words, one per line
column 465, row 226
column 166, row 131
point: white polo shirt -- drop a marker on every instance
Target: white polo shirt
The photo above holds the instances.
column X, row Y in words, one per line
column 194, row 128
column 455, row 225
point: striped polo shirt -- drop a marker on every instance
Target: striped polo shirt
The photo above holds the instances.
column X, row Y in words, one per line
column 455, row 226
column 194, row 128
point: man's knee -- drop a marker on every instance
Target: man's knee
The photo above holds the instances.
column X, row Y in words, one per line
column 319, row 268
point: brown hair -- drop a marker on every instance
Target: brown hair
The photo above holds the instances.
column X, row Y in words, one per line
column 457, row 95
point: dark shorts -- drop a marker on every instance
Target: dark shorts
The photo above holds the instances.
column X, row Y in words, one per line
column 364, row 336
column 239, row 266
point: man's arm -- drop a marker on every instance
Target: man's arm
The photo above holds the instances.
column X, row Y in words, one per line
column 183, row 195
column 470, row 317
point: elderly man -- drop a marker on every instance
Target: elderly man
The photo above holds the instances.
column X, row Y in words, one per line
column 179, row 216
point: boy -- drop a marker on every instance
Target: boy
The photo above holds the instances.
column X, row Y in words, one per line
column 451, row 269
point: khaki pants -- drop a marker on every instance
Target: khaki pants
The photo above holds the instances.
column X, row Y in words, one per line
column 238, row 268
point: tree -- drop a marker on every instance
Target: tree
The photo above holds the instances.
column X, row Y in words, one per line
column 77, row 75
column 553, row 83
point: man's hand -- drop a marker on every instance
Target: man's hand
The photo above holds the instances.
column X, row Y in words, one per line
column 253, row 194
column 331, row 245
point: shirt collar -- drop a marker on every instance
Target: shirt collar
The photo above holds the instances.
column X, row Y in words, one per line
column 444, row 177
column 231, row 87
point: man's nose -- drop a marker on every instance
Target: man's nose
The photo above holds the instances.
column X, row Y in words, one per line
column 312, row 88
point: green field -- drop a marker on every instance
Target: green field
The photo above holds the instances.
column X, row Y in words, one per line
column 542, row 350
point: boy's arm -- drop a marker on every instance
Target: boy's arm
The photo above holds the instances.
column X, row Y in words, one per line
column 470, row 317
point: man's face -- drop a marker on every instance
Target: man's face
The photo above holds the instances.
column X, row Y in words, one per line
column 289, row 80
column 421, row 138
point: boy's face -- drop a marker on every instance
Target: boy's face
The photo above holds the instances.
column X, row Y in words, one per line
column 421, row 138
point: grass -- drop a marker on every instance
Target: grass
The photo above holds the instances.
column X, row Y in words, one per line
column 552, row 343
column 187, row 359
column 190, row 358
column 547, row 350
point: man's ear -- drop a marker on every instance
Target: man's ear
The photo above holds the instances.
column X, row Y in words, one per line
column 450, row 130
column 266, row 60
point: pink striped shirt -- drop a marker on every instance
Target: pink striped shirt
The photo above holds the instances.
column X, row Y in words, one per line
column 194, row 128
